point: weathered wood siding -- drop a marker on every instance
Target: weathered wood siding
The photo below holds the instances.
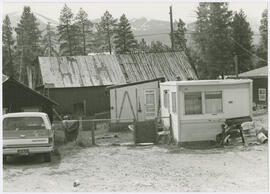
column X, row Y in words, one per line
column 95, row 99
column 121, row 108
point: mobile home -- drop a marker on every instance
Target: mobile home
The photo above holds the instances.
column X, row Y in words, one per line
column 199, row 108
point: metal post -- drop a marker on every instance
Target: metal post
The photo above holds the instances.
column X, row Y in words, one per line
column 93, row 133
column 171, row 22
column 236, row 65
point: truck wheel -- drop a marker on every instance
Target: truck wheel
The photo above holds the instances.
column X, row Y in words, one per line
column 47, row 157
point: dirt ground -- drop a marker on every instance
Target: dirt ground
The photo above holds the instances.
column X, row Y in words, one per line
column 142, row 169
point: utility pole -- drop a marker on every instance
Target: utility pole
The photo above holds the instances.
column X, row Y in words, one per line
column 236, row 65
column 171, row 21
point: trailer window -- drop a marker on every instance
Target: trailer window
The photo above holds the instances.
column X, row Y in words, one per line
column 213, row 102
column 174, row 102
column 193, row 103
column 166, row 99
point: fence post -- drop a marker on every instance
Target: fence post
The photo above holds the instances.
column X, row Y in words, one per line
column 93, row 133
column 135, row 131
column 156, row 130
column 171, row 131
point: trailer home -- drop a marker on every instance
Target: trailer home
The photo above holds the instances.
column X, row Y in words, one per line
column 199, row 108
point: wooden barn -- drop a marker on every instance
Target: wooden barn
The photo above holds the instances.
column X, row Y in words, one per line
column 20, row 98
column 260, row 82
column 198, row 108
column 79, row 83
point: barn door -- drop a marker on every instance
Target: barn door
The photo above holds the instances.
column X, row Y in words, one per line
column 150, row 103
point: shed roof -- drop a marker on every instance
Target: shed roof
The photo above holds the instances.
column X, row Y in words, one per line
column 207, row 82
column 96, row 70
column 259, row 72
column 135, row 83
column 26, row 88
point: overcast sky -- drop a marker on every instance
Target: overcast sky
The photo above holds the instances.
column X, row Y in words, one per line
column 151, row 10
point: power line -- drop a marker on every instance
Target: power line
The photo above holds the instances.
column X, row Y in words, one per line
column 242, row 47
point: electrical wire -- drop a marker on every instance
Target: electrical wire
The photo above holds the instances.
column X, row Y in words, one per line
column 242, row 47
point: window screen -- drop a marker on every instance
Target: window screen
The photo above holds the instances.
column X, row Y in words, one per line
column 193, row 103
column 213, row 102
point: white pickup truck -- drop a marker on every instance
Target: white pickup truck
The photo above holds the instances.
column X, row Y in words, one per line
column 27, row 133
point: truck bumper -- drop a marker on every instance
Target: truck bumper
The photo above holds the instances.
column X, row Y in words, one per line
column 31, row 150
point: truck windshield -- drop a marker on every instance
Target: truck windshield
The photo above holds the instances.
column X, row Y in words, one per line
column 23, row 123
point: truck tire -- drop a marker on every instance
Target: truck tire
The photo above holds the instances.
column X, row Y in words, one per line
column 48, row 157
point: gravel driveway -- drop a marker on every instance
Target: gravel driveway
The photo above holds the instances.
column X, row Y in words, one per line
column 141, row 168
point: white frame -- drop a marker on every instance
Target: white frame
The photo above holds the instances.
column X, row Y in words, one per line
column 203, row 103
column 262, row 97
column 146, row 112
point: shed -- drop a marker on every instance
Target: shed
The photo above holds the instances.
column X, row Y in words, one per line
column 19, row 98
column 198, row 108
column 260, row 84
column 135, row 101
column 80, row 82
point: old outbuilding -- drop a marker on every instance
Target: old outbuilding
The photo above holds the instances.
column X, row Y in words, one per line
column 79, row 83
column 260, row 85
column 198, row 108
column 19, row 98
column 135, row 101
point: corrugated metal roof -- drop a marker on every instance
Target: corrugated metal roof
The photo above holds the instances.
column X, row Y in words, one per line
column 80, row 71
column 96, row 70
column 146, row 66
column 260, row 72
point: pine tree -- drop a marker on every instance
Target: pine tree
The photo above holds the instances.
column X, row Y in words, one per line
column 179, row 36
column 200, row 37
column 142, row 46
column 157, row 46
column 67, row 31
column 85, row 30
column 214, row 39
column 219, row 45
column 28, row 42
column 106, row 27
column 50, row 42
column 242, row 38
column 262, row 50
column 124, row 38
column 7, row 48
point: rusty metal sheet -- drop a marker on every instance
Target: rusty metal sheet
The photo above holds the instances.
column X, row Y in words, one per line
column 81, row 71
column 101, row 69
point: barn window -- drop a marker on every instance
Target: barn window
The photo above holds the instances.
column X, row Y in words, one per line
column 174, row 102
column 262, row 94
column 193, row 103
column 213, row 102
column 150, row 102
